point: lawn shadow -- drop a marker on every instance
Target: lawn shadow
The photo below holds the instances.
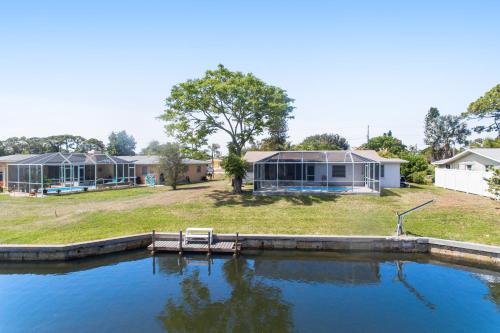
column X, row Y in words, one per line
column 248, row 199
column 409, row 233
column 389, row 193
column 199, row 187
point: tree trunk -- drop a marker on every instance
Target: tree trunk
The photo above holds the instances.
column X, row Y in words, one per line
column 237, row 182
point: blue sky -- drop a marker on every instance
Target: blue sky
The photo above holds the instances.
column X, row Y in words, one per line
column 90, row 67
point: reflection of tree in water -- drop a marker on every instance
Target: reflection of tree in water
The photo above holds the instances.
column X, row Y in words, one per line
column 494, row 292
column 252, row 307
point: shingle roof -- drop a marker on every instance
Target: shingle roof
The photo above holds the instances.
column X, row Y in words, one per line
column 491, row 153
column 15, row 158
column 155, row 160
column 74, row 158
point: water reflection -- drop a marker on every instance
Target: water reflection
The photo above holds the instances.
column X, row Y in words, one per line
column 252, row 305
column 401, row 278
column 322, row 270
column 262, row 292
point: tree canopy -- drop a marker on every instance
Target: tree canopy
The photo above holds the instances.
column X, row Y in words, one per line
column 486, row 107
column 238, row 104
column 385, row 143
column 153, row 148
column 277, row 139
column 325, row 141
column 121, row 143
column 443, row 133
column 65, row 143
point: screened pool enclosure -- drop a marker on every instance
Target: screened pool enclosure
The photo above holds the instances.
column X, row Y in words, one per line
column 61, row 172
column 316, row 172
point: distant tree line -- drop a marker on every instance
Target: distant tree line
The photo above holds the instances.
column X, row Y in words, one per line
column 120, row 143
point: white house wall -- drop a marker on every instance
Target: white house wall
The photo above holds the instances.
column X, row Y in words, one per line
column 392, row 176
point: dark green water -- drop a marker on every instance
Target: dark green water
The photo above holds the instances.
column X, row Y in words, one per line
column 269, row 292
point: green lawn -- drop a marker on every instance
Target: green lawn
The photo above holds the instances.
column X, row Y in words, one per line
column 89, row 216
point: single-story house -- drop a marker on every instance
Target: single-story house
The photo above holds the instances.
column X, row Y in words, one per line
column 148, row 165
column 69, row 172
column 333, row 171
column 4, row 162
column 467, row 170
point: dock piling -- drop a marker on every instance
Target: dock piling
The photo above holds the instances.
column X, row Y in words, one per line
column 180, row 241
column 153, row 237
column 209, row 241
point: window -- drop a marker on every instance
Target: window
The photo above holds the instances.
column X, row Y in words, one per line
column 382, row 171
column 469, row 166
column 488, row 167
column 144, row 171
column 198, row 169
column 448, row 166
column 338, row 171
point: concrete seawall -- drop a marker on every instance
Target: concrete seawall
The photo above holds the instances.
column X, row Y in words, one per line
column 440, row 247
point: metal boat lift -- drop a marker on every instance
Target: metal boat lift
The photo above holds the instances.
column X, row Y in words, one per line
column 399, row 226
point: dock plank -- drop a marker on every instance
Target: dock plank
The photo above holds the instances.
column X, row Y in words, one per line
column 173, row 246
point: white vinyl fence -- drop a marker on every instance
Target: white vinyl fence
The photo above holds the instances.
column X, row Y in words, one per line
column 463, row 180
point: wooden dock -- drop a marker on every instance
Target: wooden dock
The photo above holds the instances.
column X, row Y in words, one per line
column 179, row 245
column 173, row 246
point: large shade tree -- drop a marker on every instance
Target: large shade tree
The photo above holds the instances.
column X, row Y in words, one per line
column 486, row 107
column 240, row 105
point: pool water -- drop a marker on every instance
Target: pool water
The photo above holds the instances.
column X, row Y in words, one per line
column 65, row 189
column 268, row 292
column 69, row 189
column 320, row 188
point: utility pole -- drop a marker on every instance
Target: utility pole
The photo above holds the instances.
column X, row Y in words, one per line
column 368, row 134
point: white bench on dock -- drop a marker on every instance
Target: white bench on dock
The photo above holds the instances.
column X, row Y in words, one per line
column 199, row 234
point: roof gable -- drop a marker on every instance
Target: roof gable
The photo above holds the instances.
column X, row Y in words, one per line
column 489, row 153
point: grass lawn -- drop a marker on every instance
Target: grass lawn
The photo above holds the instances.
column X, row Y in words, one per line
column 87, row 216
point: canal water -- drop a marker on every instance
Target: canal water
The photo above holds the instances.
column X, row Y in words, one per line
column 264, row 292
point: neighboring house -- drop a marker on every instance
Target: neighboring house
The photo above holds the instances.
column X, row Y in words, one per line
column 336, row 171
column 69, row 172
column 467, row 171
column 4, row 162
column 148, row 165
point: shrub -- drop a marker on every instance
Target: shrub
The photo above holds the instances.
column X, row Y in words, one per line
column 418, row 177
column 416, row 163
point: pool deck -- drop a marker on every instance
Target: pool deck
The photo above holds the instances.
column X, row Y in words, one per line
column 287, row 191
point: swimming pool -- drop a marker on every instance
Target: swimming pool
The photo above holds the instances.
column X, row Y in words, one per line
column 67, row 189
column 319, row 188
column 268, row 292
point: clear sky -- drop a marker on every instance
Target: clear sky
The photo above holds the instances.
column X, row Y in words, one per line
column 90, row 67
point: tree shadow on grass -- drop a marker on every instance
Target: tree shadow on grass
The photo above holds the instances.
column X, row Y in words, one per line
column 409, row 233
column 199, row 187
column 389, row 193
column 247, row 199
